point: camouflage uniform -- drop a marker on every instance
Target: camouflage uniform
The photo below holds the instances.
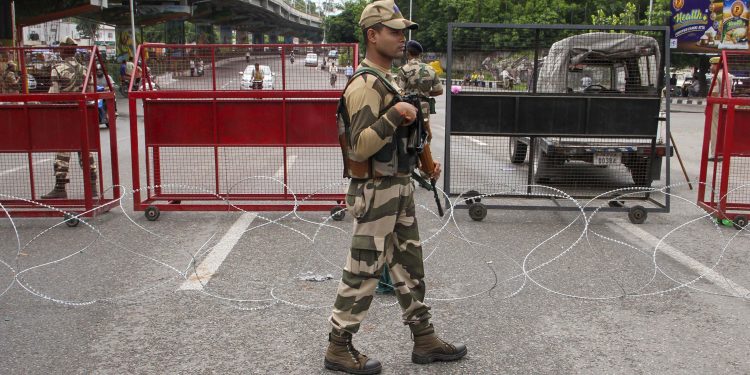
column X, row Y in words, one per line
column 68, row 76
column 10, row 82
column 385, row 226
column 418, row 78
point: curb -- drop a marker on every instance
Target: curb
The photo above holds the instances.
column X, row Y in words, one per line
column 700, row 102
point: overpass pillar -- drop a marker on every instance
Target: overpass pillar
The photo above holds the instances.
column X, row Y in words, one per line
column 6, row 24
column 226, row 35
column 175, row 31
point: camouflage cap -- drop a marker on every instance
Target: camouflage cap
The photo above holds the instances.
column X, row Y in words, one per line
column 69, row 41
column 387, row 13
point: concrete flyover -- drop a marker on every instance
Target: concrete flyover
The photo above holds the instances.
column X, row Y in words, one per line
column 263, row 16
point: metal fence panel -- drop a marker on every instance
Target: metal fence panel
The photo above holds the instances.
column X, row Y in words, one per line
column 573, row 108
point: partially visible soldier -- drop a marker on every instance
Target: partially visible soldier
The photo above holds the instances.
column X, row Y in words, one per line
column 10, row 82
column 417, row 78
column 68, row 76
column 374, row 129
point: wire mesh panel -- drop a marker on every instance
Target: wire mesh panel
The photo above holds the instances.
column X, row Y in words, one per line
column 725, row 163
column 253, row 124
column 570, row 107
column 53, row 103
column 233, row 67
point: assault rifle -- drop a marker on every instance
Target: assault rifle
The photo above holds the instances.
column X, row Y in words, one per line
column 417, row 143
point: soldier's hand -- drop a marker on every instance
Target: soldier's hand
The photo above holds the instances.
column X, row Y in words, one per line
column 407, row 111
column 436, row 173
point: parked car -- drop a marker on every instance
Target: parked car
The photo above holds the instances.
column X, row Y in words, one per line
column 333, row 54
column 311, row 59
column 30, row 82
column 269, row 77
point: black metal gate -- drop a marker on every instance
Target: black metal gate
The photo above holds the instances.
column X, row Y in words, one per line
column 561, row 112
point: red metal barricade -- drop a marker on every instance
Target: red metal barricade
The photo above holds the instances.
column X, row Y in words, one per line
column 36, row 125
column 724, row 189
column 218, row 137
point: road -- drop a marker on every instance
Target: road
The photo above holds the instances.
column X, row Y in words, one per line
column 527, row 291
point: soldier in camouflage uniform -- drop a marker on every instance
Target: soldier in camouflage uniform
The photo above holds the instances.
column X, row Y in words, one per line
column 10, row 83
column 68, row 76
column 418, row 78
column 373, row 133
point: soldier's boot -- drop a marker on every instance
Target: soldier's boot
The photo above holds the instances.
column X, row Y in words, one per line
column 341, row 356
column 94, row 189
column 428, row 347
column 58, row 192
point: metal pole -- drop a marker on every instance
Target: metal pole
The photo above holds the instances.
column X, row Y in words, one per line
column 132, row 29
column 410, row 4
column 650, row 11
column 16, row 39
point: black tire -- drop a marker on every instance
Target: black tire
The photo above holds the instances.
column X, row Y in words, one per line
column 637, row 214
column 477, row 211
column 517, row 150
column 338, row 213
column 639, row 172
column 152, row 213
column 740, row 222
column 124, row 91
column 71, row 220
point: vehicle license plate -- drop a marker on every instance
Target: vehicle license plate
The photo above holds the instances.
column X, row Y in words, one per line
column 607, row 158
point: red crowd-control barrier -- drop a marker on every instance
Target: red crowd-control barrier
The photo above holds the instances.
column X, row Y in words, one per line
column 725, row 164
column 217, row 135
column 39, row 128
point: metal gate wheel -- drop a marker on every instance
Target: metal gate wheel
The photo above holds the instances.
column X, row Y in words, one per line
column 740, row 222
column 477, row 211
column 637, row 214
column 71, row 219
column 338, row 213
column 152, row 213
column 469, row 196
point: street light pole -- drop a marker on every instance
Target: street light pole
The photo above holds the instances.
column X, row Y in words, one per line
column 650, row 11
column 132, row 29
column 410, row 4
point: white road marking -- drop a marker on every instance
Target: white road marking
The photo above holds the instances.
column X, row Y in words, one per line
column 476, row 141
column 290, row 160
column 730, row 286
column 16, row 169
column 211, row 263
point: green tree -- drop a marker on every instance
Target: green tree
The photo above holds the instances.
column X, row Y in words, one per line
column 87, row 28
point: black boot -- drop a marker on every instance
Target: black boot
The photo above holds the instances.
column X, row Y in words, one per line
column 341, row 356
column 94, row 188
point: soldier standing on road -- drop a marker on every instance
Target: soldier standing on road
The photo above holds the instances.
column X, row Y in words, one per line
column 415, row 78
column 374, row 130
column 418, row 78
column 68, row 76
column 10, row 82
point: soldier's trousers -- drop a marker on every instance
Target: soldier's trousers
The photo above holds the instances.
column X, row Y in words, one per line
column 62, row 166
column 385, row 230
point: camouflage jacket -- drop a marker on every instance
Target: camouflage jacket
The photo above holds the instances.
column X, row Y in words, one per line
column 67, row 76
column 9, row 82
column 416, row 77
column 376, row 142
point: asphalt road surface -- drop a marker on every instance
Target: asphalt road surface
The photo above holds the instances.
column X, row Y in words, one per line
column 528, row 291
